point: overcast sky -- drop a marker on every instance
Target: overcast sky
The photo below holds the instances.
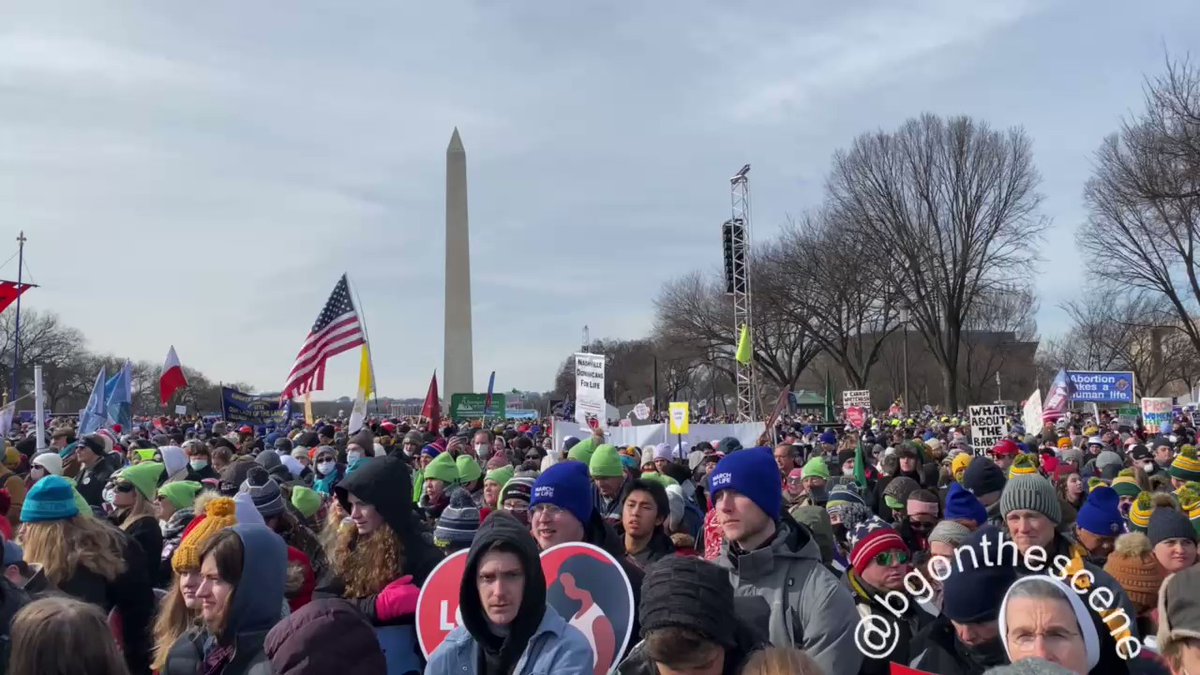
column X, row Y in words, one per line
column 200, row 174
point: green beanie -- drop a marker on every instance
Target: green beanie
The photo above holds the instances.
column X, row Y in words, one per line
column 500, row 475
column 144, row 477
column 181, row 494
column 306, row 500
column 815, row 468
column 606, row 463
column 468, row 469
column 893, row 503
column 85, row 509
column 146, row 455
column 661, row 479
column 443, row 468
column 582, row 451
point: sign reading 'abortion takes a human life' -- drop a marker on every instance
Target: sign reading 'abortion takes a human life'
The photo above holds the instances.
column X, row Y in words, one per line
column 1101, row 387
column 989, row 423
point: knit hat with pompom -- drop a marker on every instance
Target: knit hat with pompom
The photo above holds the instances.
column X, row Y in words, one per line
column 218, row 515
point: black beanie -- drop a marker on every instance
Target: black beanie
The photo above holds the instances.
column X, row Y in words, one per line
column 688, row 593
column 975, row 589
column 1167, row 523
column 983, row 477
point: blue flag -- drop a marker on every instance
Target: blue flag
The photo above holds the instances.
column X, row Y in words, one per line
column 118, row 397
column 93, row 417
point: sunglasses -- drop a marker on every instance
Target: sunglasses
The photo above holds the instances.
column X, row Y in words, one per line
column 891, row 558
column 123, row 487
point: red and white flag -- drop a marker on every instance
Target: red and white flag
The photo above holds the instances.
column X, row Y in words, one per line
column 171, row 379
column 336, row 330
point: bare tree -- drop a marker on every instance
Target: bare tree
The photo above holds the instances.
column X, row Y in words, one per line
column 1144, row 200
column 949, row 206
column 693, row 311
column 816, row 277
column 1129, row 330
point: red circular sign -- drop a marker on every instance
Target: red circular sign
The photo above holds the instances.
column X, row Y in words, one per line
column 437, row 606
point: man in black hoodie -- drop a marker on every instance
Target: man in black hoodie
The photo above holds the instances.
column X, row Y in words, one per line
column 507, row 627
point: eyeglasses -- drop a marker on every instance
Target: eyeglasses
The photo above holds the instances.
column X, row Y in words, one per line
column 547, row 510
column 891, row 559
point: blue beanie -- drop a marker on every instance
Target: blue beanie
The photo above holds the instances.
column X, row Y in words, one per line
column 975, row 590
column 51, row 498
column 962, row 505
column 753, row 473
column 567, row 486
column 1099, row 514
column 828, row 438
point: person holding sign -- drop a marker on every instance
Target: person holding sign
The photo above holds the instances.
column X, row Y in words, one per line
column 507, row 627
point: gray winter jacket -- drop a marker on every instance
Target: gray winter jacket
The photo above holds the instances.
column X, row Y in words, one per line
column 810, row 610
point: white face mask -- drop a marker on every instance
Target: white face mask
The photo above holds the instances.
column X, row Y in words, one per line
column 198, row 464
column 324, row 468
column 483, row 451
column 352, row 457
column 1147, row 466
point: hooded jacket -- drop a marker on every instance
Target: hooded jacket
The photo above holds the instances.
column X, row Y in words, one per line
column 935, row 649
column 255, row 607
column 326, row 636
column 380, row 482
column 810, row 610
column 539, row 640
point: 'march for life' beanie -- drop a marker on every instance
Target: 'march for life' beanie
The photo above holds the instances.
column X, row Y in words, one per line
column 567, row 486
column 753, row 473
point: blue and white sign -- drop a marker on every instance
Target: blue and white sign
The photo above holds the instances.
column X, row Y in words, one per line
column 1101, row 387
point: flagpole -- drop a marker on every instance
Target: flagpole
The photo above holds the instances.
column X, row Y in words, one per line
column 17, row 332
column 362, row 317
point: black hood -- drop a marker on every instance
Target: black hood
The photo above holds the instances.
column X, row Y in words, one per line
column 386, row 484
column 501, row 528
column 382, row 482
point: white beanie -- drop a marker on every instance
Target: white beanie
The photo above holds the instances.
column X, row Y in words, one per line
column 50, row 461
column 676, row 502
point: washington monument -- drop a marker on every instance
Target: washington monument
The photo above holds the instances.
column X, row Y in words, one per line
column 458, row 374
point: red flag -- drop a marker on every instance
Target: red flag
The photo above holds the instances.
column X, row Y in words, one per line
column 171, row 379
column 432, row 410
column 9, row 292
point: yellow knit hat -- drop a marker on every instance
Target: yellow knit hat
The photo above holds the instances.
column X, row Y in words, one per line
column 219, row 515
column 958, row 465
column 1189, row 496
column 1064, row 442
column 1023, row 465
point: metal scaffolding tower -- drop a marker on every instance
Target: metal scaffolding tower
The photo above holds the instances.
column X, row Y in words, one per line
column 736, row 239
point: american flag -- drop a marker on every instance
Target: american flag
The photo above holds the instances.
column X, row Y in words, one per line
column 336, row 330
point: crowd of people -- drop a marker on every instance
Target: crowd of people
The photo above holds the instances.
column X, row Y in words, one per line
column 186, row 547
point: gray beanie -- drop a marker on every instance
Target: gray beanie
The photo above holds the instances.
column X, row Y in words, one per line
column 1031, row 492
column 1030, row 667
column 1168, row 524
column 950, row 532
column 1108, row 458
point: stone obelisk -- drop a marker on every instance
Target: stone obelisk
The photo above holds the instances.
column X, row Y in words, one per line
column 458, row 377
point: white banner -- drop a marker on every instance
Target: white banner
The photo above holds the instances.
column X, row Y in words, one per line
column 1031, row 414
column 857, row 398
column 989, row 423
column 653, row 434
column 590, row 408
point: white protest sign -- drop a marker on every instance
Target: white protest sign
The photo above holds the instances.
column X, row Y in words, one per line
column 181, row 410
column 856, row 398
column 989, row 423
column 1031, row 414
column 641, row 411
column 590, row 408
